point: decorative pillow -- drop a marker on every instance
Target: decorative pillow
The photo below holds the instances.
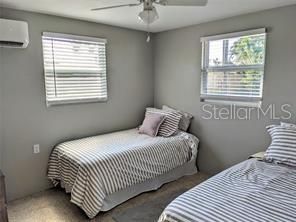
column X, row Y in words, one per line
column 170, row 124
column 185, row 120
column 288, row 125
column 151, row 124
column 283, row 146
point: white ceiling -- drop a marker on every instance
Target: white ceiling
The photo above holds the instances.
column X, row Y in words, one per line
column 170, row 17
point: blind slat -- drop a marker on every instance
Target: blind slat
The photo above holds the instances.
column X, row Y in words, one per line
column 74, row 68
column 60, row 53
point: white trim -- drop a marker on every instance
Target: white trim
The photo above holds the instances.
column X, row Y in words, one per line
column 74, row 37
column 234, row 68
column 204, row 97
column 74, row 101
column 234, row 34
column 256, row 104
column 223, row 99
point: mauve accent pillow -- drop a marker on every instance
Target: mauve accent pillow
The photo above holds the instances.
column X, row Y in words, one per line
column 151, row 124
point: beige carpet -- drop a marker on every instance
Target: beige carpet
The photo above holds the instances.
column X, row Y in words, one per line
column 54, row 205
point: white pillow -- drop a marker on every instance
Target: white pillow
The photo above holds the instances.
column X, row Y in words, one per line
column 185, row 120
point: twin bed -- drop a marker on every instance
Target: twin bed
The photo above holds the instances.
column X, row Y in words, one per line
column 103, row 171
column 259, row 189
column 250, row 191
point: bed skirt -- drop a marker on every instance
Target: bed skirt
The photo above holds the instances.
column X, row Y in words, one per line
column 122, row 196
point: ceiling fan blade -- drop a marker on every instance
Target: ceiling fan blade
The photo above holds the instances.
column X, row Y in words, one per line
column 183, row 2
column 115, row 6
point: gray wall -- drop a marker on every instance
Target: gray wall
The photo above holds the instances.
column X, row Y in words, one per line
column 1, row 106
column 1, row 113
column 1, row 109
column 177, row 62
column 28, row 121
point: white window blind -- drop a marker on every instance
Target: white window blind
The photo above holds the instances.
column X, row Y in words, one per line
column 233, row 66
column 74, row 68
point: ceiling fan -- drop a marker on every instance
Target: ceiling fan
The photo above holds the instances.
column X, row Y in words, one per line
column 149, row 13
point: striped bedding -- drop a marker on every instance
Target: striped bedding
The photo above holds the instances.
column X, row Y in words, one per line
column 250, row 191
column 282, row 148
column 95, row 167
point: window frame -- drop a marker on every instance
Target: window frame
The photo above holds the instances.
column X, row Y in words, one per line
column 74, row 38
column 205, row 69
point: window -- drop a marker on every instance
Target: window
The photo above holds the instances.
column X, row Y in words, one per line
column 74, row 68
column 233, row 67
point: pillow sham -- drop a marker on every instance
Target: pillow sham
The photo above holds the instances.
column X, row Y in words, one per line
column 185, row 119
column 283, row 145
column 151, row 124
column 170, row 124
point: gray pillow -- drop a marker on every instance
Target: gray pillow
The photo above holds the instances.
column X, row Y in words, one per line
column 185, row 120
column 283, row 145
column 151, row 124
column 170, row 124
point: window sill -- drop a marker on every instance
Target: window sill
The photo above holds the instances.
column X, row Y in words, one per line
column 256, row 104
column 74, row 101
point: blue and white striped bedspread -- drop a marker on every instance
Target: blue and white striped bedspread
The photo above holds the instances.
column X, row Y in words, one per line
column 95, row 167
column 252, row 191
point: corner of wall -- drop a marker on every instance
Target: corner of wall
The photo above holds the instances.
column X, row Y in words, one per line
column 153, row 54
column 1, row 114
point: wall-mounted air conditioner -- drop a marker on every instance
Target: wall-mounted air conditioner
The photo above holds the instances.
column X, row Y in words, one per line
column 13, row 34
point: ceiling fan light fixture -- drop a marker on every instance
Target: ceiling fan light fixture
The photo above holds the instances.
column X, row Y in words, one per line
column 148, row 16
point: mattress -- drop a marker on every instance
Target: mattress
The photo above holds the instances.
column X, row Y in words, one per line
column 250, row 191
column 96, row 167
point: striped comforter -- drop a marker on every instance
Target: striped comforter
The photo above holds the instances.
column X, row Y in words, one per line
column 95, row 167
column 250, row 191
